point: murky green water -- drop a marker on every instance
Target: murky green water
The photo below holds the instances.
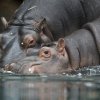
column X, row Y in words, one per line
column 83, row 85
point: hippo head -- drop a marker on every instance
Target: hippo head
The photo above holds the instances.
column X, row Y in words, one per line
column 19, row 36
column 34, row 32
column 51, row 58
column 31, row 31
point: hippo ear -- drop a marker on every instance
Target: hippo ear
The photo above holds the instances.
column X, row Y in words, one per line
column 1, row 47
column 45, row 31
column 4, row 21
column 42, row 23
column 61, row 46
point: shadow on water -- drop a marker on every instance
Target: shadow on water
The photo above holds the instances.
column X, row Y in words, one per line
column 82, row 85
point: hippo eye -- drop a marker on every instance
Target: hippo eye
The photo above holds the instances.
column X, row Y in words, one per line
column 28, row 41
column 44, row 54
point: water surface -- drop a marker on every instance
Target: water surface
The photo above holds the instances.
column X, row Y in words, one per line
column 82, row 85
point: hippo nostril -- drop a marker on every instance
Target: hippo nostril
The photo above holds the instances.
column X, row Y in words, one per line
column 8, row 67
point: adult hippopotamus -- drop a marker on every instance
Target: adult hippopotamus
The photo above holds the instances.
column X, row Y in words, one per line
column 38, row 23
column 33, row 24
column 80, row 49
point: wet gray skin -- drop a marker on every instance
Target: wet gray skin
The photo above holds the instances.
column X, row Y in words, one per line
column 51, row 60
column 11, row 47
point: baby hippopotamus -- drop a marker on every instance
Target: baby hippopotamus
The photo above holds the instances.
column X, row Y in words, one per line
column 80, row 49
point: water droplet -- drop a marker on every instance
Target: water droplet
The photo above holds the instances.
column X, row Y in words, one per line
column 30, row 70
column 88, row 84
column 79, row 74
column 63, row 73
column 11, row 33
column 22, row 43
column 92, row 72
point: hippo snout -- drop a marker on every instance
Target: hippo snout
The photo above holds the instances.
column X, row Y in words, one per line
column 14, row 67
column 25, row 67
column 36, row 70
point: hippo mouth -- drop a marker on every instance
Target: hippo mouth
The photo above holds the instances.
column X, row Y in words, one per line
column 25, row 67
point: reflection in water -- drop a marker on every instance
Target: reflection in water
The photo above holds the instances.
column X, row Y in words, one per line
column 82, row 85
column 16, row 87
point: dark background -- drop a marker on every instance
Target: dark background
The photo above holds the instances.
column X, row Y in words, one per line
column 7, row 8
